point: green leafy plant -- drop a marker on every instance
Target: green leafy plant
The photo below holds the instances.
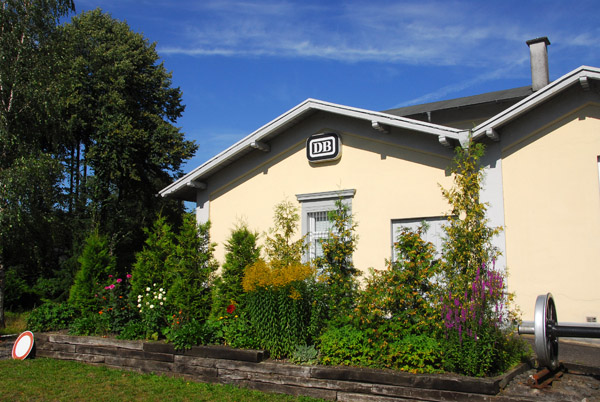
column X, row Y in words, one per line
column 96, row 263
column 474, row 304
column 242, row 251
column 305, row 354
column 51, row 317
column 348, row 345
column 191, row 275
column 335, row 267
column 405, row 292
column 413, row 353
column 154, row 263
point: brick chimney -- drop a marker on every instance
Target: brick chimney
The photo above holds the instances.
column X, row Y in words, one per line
column 538, row 50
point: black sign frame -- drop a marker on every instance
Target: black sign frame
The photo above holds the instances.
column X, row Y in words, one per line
column 323, row 147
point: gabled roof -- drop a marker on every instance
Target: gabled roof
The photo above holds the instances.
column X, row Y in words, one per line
column 185, row 187
column 579, row 76
column 467, row 101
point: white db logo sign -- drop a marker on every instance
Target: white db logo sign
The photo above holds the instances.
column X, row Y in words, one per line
column 323, row 147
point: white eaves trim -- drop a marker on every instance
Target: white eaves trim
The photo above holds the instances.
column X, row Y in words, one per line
column 533, row 100
column 291, row 116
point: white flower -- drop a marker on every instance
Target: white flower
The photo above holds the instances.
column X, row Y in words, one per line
column 152, row 306
column 139, row 305
column 147, row 289
column 159, row 296
column 139, row 297
column 147, row 303
column 161, row 289
column 164, row 298
column 161, row 303
column 154, row 285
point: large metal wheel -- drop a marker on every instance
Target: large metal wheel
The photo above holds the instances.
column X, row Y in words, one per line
column 546, row 344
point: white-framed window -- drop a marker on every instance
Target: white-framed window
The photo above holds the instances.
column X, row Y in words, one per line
column 315, row 217
column 434, row 234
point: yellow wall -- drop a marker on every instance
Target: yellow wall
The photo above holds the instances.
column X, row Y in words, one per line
column 552, row 215
column 391, row 182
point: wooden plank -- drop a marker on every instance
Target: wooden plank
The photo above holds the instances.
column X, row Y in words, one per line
column 94, row 340
column 144, row 365
column 158, row 347
column 227, row 353
column 265, row 367
column 127, row 353
column 427, row 381
column 196, row 371
column 71, row 356
column 196, row 361
column 59, row 347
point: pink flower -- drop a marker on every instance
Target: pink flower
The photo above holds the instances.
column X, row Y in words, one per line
column 110, row 276
column 128, row 276
column 111, row 286
column 119, row 280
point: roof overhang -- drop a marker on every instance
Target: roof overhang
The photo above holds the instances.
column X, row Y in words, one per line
column 580, row 76
column 186, row 187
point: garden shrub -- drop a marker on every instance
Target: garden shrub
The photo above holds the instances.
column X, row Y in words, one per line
column 154, row 263
column 51, row 317
column 191, row 274
column 278, row 305
column 242, row 251
column 335, row 266
column 413, row 353
column 348, row 345
column 405, row 293
column 96, row 263
column 474, row 306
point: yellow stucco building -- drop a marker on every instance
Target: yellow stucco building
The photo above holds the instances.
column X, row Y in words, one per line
column 542, row 178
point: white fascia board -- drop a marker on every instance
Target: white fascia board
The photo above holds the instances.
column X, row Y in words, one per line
column 308, row 106
column 535, row 99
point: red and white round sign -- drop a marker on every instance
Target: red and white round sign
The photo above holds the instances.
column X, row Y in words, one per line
column 23, row 345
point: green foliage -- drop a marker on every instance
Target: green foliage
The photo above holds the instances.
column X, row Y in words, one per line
column 413, row 353
column 468, row 242
column 192, row 273
column 154, row 263
column 280, row 249
column 90, row 324
column 405, row 291
column 96, row 263
column 120, row 145
column 348, row 345
column 154, row 310
column 237, row 331
column 305, row 354
column 50, row 317
column 335, row 266
column 474, row 305
column 242, row 251
column 279, row 317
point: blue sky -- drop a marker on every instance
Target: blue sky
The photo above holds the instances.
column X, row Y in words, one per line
column 241, row 64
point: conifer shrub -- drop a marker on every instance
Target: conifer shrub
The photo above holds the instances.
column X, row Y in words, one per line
column 96, row 263
column 192, row 273
column 242, row 251
column 336, row 268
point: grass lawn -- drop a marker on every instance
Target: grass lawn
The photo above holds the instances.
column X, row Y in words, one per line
column 44, row 379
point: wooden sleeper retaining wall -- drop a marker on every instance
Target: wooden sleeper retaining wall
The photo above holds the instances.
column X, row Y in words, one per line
column 248, row 368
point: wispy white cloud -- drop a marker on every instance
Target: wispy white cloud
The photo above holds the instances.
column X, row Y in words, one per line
column 433, row 33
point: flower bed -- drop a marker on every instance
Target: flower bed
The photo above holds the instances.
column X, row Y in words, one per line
column 252, row 369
